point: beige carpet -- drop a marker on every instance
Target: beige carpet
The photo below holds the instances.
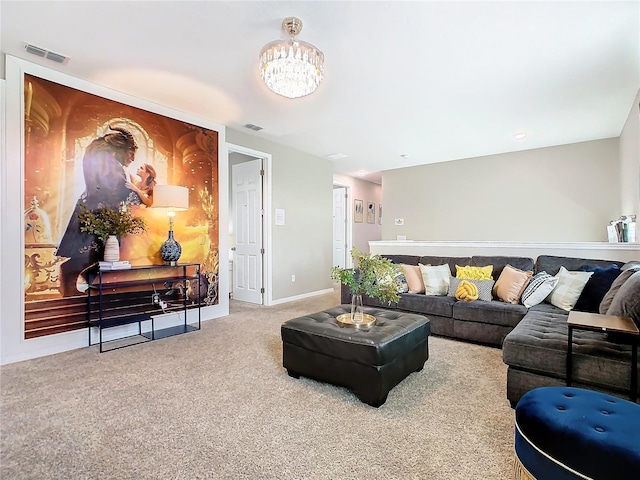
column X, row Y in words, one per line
column 217, row 404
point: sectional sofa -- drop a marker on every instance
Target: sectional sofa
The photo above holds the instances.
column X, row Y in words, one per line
column 533, row 340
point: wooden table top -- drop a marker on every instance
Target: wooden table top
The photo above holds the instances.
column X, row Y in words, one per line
column 605, row 323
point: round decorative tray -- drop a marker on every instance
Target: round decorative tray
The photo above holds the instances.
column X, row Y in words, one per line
column 344, row 320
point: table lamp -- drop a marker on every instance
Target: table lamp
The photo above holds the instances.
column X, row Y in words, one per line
column 175, row 199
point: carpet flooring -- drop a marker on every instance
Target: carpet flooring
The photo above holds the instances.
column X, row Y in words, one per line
column 217, row 404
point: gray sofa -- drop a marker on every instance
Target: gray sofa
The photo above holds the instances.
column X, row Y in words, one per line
column 533, row 341
column 536, row 349
column 482, row 322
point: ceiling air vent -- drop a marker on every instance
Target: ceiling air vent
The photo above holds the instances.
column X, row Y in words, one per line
column 253, row 127
column 41, row 52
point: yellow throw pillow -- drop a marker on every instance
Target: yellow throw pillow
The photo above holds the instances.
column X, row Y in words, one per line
column 467, row 291
column 474, row 273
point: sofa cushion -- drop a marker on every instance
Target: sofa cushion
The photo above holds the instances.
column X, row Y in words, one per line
column 496, row 313
column 511, row 283
column 499, row 262
column 569, row 287
column 406, row 259
column 539, row 287
column 451, row 261
column 484, row 288
column 551, row 264
column 597, row 286
column 414, row 278
column 538, row 344
column 615, row 286
column 626, row 302
column 427, row 304
column 435, row 279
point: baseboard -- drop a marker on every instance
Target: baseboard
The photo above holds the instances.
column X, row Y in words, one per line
column 300, row 297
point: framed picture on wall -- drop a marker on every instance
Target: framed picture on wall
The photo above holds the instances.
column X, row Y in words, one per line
column 380, row 214
column 371, row 212
column 358, row 211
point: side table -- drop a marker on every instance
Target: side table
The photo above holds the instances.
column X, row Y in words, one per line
column 624, row 326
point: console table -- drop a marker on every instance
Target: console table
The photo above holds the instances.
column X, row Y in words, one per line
column 138, row 294
column 624, row 327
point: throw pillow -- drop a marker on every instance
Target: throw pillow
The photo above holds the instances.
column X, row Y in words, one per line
column 467, row 291
column 569, row 287
column 414, row 278
column 484, row 288
column 511, row 283
column 435, row 279
column 626, row 302
column 596, row 288
column 474, row 273
column 539, row 287
column 615, row 286
column 401, row 282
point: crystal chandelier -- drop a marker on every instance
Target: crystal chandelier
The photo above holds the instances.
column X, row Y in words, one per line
column 291, row 68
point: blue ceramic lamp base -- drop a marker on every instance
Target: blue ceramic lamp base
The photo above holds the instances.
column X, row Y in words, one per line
column 170, row 250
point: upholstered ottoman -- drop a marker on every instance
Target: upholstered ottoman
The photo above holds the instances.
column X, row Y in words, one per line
column 568, row 433
column 370, row 362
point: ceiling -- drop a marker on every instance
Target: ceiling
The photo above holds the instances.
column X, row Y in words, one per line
column 434, row 81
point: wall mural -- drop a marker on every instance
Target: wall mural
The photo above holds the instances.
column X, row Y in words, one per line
column 77, row 146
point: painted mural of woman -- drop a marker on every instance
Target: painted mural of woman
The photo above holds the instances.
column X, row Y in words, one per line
column 103, row 166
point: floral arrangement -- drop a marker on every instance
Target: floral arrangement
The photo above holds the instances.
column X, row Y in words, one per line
column 372, row 275
column 107, row 221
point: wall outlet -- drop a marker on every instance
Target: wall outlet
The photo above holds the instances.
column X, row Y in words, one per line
column 293, row 278
column 155, row 298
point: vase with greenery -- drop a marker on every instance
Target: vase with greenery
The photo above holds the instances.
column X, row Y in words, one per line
column 109, row 224
column 371, row 275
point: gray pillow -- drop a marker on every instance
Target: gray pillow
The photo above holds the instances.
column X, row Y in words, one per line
column 626, row 302
column 615, row 286
column 484, row 288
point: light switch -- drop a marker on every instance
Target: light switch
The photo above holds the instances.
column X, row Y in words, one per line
column 399, row 221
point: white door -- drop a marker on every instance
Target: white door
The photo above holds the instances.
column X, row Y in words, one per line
column 339, row 227
column 246, row 179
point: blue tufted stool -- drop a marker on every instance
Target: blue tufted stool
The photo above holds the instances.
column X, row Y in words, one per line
column 568, row 433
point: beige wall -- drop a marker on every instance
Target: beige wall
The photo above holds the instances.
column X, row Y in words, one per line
column 364, row 232
column 630, row 162
column 567, row 193
column 301, row 184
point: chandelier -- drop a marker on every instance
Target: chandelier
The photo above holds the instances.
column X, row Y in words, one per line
column 291, row 68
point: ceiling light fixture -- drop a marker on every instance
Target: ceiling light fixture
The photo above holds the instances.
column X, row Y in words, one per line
column 520, row 136
column 291, row 68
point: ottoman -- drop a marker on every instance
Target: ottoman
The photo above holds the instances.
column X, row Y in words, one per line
column 569, row 433
column 369, row 362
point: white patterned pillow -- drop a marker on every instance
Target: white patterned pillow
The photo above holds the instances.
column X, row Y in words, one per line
column 539, row 288
column 569, row 287
column 401, row 282
column 484, row 287
column 435, row 278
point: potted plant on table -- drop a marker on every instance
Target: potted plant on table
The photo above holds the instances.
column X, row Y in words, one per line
column 372, row 275
column 108, row 224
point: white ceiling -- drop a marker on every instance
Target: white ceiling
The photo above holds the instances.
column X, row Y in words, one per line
column 437, row 81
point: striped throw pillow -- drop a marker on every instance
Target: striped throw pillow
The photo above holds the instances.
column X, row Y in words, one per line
column 539, row 288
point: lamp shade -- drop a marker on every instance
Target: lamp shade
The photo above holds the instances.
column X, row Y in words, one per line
column 173, row 197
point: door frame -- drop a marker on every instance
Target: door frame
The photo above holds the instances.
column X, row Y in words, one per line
column 349, row 218
column 267, row 264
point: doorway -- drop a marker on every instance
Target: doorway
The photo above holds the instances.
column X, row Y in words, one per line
column 341, row 230
column 249, row 232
